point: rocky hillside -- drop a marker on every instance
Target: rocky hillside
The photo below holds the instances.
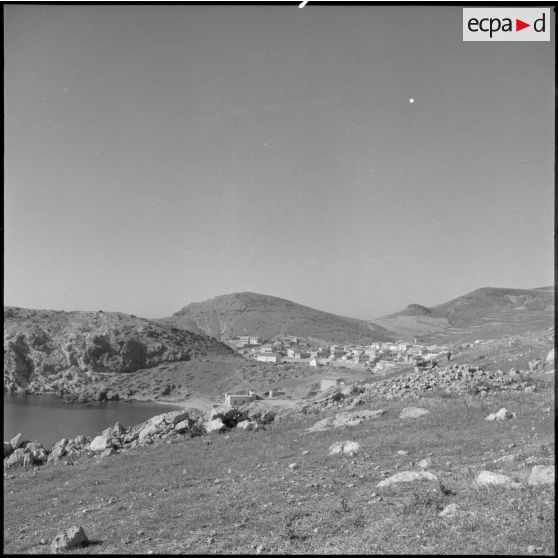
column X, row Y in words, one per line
column 54, row 351
column 482, row 314
column 226, row 316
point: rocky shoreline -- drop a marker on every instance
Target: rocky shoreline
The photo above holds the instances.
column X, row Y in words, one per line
column 167, row 427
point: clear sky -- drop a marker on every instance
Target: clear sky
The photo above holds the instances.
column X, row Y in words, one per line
column 162, row 155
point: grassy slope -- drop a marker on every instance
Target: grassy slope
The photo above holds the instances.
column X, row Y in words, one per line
column 267, row 316
column 237, row 492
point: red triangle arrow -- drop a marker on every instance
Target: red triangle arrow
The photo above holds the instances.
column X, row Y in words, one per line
column 519, row 25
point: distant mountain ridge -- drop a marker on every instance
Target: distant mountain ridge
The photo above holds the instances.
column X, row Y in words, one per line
column 247, row 313
column 483, row 313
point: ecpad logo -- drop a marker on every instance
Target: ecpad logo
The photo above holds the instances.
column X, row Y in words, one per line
column 506, row 24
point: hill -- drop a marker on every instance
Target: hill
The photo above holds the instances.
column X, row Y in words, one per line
column 227, row 316
column 79, row 352
column 484, row 313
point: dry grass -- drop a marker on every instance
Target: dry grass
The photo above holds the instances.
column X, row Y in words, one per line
column 237, row 492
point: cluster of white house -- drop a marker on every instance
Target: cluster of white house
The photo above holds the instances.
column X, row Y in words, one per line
column 376, row 355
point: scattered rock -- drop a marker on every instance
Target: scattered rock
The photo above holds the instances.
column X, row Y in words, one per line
column 550, row 356
column 71, row 538
column 541, row 474
column 502, row 415
column 489, row 478
column 293, row 466
column 449, row 511
column 402, row 452
column 413, row 412
column 346, row 419
column 348, row 447
column 407, row 476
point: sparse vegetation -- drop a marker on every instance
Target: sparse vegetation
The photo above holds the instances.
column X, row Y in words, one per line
column 237, row 492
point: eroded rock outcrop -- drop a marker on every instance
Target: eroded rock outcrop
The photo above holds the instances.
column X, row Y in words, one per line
column 63, row 352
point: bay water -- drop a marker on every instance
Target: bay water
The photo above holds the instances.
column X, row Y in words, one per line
column 48, row 419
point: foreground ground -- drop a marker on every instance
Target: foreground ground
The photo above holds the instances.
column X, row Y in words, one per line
column 235, row 492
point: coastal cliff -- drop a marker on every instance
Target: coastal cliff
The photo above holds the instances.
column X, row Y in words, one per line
column 76, row 354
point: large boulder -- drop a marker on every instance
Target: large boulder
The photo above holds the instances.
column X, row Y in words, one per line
column 17, row 440
column 490, row 478
column 70, row 538
column 175, row 417
column 18, row 458
column 99, row 443
column 148, row 431
column 550, row 356
column 215, row 425
column 58, row 450
column 541, row 474
column 407, row 476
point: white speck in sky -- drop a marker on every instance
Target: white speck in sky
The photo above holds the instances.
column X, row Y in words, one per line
column 411, row 100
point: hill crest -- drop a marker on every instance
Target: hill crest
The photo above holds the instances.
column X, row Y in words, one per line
column 246, row 313
column 483, row 313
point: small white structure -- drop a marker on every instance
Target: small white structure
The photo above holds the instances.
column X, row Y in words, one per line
column 267, row 348
column 326, row 383
column 268, row 357
column 238, row 399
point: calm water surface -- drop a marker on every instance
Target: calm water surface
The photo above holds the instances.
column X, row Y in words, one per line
column 49, row 419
